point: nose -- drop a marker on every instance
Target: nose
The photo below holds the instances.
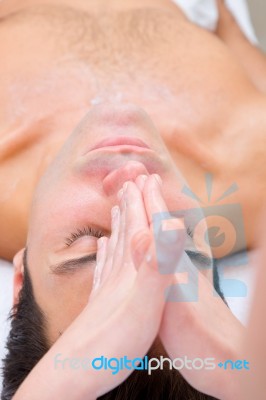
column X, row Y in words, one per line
column 114, row 181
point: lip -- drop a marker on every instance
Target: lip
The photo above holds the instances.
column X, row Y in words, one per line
column 120, row 141
column 105, row 160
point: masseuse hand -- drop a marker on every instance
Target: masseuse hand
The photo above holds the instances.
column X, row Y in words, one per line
column 122, row 317
column 202, row 329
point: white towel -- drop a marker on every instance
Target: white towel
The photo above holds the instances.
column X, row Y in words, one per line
column 6, row 278
column 205, row 14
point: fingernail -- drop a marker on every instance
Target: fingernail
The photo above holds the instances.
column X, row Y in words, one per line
column 143, row 178
column 140, row 181
column 168, row 237
column 158, row 179
column 114, row 212
column 124, row 197
column 100, row 243
column 148, row 258
column 125, row 186
column 120, row 194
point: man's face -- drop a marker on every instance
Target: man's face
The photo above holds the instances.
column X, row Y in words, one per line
column 73, row 201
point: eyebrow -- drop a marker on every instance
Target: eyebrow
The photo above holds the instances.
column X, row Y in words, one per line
column 203, row 260
column 70, row 266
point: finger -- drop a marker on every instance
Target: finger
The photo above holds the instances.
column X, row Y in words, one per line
column 136, row 217
column 102, row 244
column 153, row 199
column 143, row 302
column 112, row 242
column 118, row 250
column 168, row 231
column 139, row 246
column 150, row 286
column 133, row 219
column 156, row 208
column 140, row 181
column 115, row 221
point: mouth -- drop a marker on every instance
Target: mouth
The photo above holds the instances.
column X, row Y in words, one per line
column 107, row 159
column 113, row 153
column 121, row 142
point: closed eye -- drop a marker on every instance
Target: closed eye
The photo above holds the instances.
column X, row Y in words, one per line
column 200, row 260
column 86, row 231
column 71, row 266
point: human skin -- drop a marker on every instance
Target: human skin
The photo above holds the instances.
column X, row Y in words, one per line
column 78, row 191
column 120, row 319
column 254, row 383
column 211, row 119
column 250, row 99
column 84, row 186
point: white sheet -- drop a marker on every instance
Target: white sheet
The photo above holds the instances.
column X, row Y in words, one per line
column 205, row 14
column 6, row 276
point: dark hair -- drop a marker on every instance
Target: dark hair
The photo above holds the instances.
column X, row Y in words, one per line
column 27, row 344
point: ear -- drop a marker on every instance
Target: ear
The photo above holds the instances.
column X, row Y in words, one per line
column 18, row 275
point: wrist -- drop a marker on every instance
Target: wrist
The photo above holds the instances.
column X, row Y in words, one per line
column 233, row 373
